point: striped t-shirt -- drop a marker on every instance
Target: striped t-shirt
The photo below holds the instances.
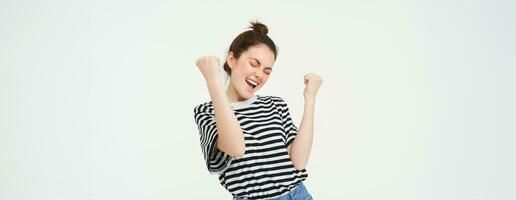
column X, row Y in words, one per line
column 265, row 170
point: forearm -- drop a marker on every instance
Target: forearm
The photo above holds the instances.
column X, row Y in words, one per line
column 302, row 144
column 230, row 136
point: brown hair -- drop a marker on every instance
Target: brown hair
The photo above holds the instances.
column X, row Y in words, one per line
column 258, row 35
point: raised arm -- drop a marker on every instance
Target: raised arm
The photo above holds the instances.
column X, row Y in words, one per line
column 299, row 149
column 230, row 136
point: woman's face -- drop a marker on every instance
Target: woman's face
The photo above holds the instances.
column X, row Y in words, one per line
column 251, row 70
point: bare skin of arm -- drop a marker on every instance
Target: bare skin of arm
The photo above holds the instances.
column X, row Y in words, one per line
column 299, row 150
column 230, row 135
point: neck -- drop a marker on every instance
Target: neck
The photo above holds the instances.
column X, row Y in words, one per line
column 232, row 94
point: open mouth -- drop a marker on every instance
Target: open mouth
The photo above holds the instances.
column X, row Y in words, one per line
column 251, row 84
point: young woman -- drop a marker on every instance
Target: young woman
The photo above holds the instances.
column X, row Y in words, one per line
column 250, row 140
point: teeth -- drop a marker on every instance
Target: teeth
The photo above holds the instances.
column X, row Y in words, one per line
column 252, row 82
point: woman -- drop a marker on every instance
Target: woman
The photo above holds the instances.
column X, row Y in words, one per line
column 250, row 140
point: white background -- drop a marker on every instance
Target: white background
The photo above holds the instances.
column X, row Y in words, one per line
column 97, row 97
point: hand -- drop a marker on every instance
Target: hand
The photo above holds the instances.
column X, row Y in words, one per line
column 209, row 67
column 312, row 84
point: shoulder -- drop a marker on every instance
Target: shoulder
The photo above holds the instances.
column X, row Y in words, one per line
column 206, row 107
column 273, row 99
column 269, row 98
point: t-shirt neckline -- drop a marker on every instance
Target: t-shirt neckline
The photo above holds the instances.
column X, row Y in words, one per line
column 244, row 103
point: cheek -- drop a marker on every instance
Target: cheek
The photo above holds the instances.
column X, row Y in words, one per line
column 265, row 80
column 248, row 68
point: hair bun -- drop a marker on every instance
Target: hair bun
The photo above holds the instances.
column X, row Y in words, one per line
column 259, row 27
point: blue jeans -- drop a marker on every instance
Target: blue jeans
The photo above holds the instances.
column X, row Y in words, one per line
column 297, row 193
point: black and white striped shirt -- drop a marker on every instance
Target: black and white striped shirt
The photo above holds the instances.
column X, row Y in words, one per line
column 265, row 170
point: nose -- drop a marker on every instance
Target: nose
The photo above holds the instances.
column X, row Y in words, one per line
column 258, row 78
column 258, row 75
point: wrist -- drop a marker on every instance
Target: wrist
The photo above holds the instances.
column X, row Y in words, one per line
column 309, row 97
column 217, row 81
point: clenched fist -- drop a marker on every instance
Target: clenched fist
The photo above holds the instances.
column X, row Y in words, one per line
column 209, row 67
column 312, row 84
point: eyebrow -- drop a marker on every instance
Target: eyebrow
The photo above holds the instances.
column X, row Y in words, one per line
column 256, row 60
column 259, row 62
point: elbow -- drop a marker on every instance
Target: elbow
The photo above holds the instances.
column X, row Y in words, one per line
column 233, row 150
column 232, row 147
column 240, row 151
column 299, row 165
column 237, row 151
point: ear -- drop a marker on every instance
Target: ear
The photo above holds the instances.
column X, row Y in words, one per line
column 230, row 59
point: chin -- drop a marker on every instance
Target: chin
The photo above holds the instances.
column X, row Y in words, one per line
column 246, row 94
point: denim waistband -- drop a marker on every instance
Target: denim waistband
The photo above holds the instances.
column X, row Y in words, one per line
column 299, row 186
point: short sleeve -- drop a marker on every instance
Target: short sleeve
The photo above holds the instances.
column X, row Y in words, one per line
column 290, row 127
column 216, row 161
